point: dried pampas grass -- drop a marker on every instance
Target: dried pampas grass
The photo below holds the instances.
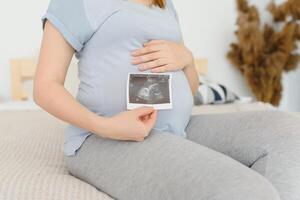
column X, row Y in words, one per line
column 263, row 54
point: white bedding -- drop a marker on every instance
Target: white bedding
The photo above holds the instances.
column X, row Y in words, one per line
column 31, row 159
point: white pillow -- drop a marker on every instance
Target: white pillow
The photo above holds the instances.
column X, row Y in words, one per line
column 211, row 92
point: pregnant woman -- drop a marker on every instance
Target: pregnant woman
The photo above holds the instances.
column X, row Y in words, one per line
column 144, row 154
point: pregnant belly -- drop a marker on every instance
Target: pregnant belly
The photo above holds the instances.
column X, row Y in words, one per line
column 109, row 98
column 176, row 119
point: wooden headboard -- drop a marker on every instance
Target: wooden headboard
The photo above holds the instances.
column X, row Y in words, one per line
column 24, row 69
column 201, row 66
column 21, row 70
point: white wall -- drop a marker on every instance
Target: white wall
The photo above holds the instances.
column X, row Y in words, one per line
column 20, row 34
column 207, row 26
column 291, row 93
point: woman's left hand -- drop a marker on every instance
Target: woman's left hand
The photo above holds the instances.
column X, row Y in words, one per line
column 162, row 56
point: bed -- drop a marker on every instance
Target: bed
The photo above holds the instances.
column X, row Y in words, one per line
column 32, row 165
column 31, row 160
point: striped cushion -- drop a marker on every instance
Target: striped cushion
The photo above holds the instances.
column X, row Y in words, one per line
column 210, row 92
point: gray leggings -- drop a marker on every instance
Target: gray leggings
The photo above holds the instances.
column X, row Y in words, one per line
column 242, row 156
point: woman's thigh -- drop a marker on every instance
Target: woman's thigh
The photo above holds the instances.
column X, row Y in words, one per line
column 266, row 141
column 246, row 136
column 165, row 166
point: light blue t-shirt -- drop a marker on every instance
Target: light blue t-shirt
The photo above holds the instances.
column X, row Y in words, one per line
column 103, row 34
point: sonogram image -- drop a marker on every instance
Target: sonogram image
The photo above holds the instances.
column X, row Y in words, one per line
column 149, row 89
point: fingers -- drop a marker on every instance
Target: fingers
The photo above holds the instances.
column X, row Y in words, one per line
column 146, row 58
column 148, row 122
column 154, row 42
column 145, row 117
column 153, row 64
column 142, row 111
column 151, row 120
column 162, row 69
column 147, row 49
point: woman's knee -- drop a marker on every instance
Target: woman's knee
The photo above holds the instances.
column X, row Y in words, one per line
column 226, row 179
column 197, row 172
column 247, row 186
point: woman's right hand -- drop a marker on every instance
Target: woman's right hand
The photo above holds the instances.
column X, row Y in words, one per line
column 132, row 125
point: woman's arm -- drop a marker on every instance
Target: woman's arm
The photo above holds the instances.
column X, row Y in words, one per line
column 50, row 94
column 49, row 91
column 192, row 76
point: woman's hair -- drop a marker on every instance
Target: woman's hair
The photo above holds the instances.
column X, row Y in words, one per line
column 160, row 3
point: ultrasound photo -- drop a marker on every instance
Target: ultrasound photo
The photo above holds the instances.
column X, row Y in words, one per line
column 149, row 90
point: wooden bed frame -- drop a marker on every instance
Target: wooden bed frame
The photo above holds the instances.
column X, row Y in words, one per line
column 21, row 70
column 24, row 69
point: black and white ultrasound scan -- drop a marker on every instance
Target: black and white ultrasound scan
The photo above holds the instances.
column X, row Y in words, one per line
column 149, row 89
